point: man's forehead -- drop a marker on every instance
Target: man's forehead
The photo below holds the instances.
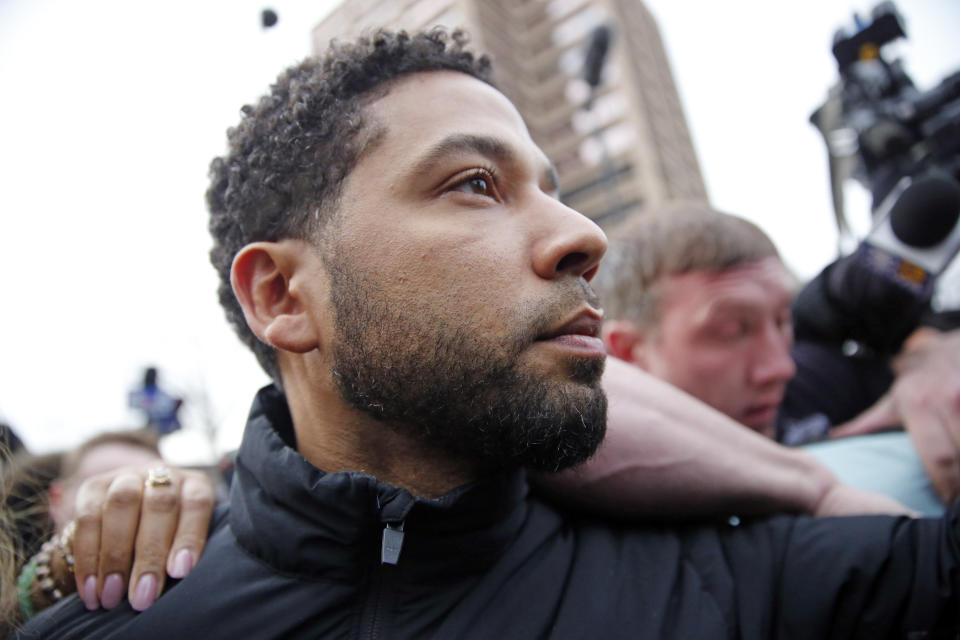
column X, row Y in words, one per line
column 429, row 114
column 410, row 92
column 765, row 280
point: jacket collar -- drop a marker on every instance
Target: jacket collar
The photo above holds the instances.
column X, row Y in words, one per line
column 304, row 521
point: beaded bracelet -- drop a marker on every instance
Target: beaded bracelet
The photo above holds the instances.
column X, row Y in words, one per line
column 25, row 585
column 44, row 572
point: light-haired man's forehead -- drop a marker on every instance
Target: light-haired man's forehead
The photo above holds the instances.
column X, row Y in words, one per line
column 759, row 282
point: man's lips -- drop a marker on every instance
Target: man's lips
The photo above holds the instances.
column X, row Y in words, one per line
column 762, row 411
column 580, row 333
column 758, row 409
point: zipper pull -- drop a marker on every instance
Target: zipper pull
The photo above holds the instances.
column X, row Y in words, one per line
column 392, row 543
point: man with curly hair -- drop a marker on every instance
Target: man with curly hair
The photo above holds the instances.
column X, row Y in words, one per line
column 401, row 262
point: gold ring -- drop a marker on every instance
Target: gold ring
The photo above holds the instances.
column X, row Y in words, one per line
column 159, row 477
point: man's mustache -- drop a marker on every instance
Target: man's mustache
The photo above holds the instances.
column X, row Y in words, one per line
column 535, row 319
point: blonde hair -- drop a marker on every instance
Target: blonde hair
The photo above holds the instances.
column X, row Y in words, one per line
column 10, row 555
column 678, row 239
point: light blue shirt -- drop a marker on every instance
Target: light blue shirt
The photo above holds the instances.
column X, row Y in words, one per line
column 883, row 462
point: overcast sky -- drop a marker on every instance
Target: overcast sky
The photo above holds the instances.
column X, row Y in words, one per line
column 112, row 111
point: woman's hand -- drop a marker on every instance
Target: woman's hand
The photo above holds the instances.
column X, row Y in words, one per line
column 136, row 526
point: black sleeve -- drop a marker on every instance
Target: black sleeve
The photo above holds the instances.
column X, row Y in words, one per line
column 868, row 577
column 831, row 383
column 945, row 320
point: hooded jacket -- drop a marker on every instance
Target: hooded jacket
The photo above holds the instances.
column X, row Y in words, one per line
column 299, row 553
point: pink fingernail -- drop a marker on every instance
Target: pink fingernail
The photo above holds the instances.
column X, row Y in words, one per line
column 90, row 593
column 182, row 564
column 112, row 591
column 145, row 593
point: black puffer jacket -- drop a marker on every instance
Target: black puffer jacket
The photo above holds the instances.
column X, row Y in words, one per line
column 301, row 555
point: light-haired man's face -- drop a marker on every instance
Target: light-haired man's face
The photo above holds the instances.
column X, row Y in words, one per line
column 725, row 338
column 458, row 283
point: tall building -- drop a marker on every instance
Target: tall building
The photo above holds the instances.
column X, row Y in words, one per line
column 619, row 148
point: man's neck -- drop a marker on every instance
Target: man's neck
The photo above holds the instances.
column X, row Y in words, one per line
column 335, row 437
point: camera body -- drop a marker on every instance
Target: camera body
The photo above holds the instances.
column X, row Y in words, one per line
column 899, row 130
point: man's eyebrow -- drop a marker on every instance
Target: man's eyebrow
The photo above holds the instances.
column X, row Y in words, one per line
column 464, row 143
column 483, row 145
column 723, row 308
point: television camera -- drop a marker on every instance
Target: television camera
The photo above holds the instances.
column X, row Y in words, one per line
column 903, row 145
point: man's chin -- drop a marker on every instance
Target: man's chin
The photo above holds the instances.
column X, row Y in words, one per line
column 570, row 434
column 575, row 371
column 588, row 371
column 763, row 421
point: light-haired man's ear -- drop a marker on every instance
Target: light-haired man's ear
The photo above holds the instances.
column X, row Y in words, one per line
column 262, row 276
column 624, row 341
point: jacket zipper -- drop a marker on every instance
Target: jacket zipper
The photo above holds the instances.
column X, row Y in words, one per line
column 392, row 543
column 390, row 547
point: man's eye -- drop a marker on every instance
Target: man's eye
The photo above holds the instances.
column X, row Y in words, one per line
column 732, row 330
column 478, row 183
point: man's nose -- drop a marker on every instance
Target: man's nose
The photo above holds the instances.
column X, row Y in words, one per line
column 774, row 363
column 567, row 242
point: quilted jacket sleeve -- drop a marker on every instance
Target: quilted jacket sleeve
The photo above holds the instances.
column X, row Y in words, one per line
column 857, row 577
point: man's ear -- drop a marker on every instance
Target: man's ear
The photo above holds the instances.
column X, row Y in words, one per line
column 624, row 341
column 262, row 276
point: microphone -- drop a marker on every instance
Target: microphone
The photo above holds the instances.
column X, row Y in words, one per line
column 917, row 227
column 877, row 295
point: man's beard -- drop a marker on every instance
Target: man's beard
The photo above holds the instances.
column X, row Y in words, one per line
column 460, row 391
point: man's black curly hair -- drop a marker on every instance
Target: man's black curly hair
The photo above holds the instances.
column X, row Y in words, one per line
column 288, row 157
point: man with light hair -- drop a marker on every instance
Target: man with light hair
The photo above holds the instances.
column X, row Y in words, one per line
column 702, row 300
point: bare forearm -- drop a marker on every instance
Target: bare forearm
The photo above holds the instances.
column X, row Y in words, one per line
column 667, row 454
